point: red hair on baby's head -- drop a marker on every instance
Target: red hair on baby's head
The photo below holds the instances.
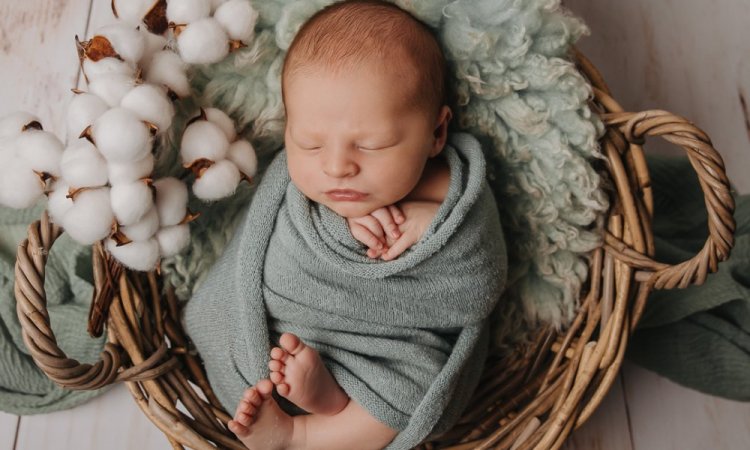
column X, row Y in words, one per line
column 353, row 32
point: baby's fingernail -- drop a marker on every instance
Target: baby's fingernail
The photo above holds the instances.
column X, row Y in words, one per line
column 395, row 232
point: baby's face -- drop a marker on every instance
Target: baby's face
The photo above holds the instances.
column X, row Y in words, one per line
column 353, row 131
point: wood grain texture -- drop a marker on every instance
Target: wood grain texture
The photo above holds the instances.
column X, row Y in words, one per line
column 111, row 421
column 38, row 57
column 8, row 424
column 608, row 428
column 667, row 416
column 690, row 58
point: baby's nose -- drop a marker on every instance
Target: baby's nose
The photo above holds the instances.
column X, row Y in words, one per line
column 339, row 164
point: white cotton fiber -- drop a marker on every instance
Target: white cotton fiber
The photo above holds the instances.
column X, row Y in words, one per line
column 183, row 12
column 41, row 149
column 150, row 103
column 143, row 229
column 203, row 139
column 82, row 165
column 83, row 110
column 130, row 202
column 132, row 11
column 203, row 42
column 171, row 200
column 13, row 123
column 242, row 154
column 218, row 181
column 95, row 69
column 153, row 43
column 130, row 171
column 20, row 187
column 58, row 203
column 125, row 39
column 90, row 219
column 121, row 136
column 173, row 239
column 238, row 19
column 137, row 255
column 111, row 87
column 216, row 3
column 224, row 122
column 168, row 69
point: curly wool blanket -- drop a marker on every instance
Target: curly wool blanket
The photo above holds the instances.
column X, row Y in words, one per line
column 406, row 339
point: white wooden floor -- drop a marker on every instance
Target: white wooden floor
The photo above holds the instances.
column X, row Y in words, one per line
column 711, row 66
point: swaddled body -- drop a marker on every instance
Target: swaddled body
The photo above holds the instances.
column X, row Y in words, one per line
column 405, row 339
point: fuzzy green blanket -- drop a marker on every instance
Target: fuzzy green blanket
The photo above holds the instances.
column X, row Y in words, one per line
column 406, row 339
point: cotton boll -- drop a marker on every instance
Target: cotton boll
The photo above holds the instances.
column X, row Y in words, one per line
column 137, row 255
column 125, row 39
column 184, row 12
column 203, row 139
column 13, row 123
column 224, row 122
column 83, row 110
column 132, row 11
column 203, row 42
column 168, row 69
column 90, row 218
column 83, row 166
column 238, row 19
column 111, row 87
column 145, row 228
column 171, row 200
column 218, row 181
column 216, row 3
column 130, row 202
column 19, row 186
column 150, row 103
column 121, row 136
column 42, row 149
column 58, row 203
column 173, row 239
column 128, row 172
column 154, row 43
column 95, row 69
column 242, row 154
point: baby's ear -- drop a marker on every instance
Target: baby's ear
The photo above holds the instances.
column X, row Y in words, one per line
column 441, row 130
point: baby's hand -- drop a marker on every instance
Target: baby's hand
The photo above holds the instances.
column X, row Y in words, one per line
column 419, row 215
column 378, row 229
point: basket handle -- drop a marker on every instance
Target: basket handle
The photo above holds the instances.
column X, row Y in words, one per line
column 31, row 308
column 714, row 183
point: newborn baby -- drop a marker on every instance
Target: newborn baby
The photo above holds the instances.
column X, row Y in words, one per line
column 367, row 125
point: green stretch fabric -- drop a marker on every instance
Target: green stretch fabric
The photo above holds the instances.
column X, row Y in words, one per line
column 24, row 389
column 406, row 339
column 699, row 336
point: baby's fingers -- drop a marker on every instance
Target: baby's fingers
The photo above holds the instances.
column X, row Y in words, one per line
column 365, row 236
column 387, row 221
column 397, row 214
column 399, row 247
column 371, row 224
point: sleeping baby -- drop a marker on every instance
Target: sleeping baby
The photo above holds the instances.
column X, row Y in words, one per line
column 371, row 253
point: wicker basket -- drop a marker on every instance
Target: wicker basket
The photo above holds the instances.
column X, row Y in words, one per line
column 531, row 399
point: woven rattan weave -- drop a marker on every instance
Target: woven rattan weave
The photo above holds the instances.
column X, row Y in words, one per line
column 532, row 398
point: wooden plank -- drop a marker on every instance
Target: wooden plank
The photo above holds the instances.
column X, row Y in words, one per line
column 38, row 57
column 8, row 425
column 112, row 421
column 607, row 428
column 667, row 416
column 690, row 58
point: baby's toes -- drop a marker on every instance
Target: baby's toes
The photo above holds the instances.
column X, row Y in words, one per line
column 276, row 366
column 279, row 354
column 277, row 377
column 252, row 397
column 237, row 428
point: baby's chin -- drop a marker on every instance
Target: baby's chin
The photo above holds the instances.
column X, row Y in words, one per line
column 351, row 210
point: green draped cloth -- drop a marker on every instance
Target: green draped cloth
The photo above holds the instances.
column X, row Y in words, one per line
column 24, row 389
column 698, row 336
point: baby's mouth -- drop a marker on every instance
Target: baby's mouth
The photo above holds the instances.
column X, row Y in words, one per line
column 345, row 195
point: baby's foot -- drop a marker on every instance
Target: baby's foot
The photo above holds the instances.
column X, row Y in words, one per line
column 300, row 375
column 259, row 422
